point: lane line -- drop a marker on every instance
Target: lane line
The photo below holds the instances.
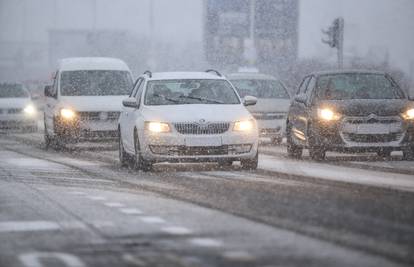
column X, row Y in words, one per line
column 176, row 230
column 79, row 193
column 130, row 211
column 152, row 219
column 238, row 256
column 114, row 204
column 34, row 259
column 206, row 242
column 25, row 226
column 96, row 198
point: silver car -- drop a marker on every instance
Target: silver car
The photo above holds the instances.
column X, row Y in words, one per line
column 272, row 104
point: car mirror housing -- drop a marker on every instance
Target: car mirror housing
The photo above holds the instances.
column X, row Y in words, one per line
column 130, row 102
column 300, row 98
column 47, row 90
column 249, row 100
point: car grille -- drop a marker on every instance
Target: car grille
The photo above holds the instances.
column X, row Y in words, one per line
column 373, row 138
column 99, row 116
column 195, row 128
column 269, row 116
column 11, row 111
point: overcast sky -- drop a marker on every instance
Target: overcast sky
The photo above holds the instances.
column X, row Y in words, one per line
column 376, row 25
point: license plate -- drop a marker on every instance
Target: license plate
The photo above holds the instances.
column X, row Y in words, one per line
column 373, row 129
column 203, row 141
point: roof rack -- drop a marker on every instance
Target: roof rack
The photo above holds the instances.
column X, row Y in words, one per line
column 215, row 71
column 149, row 73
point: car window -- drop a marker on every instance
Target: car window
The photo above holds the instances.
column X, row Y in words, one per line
column 311, row 85
column 95, row 83
column 189, row 91
column 13, row 91
column 357, row 86
column 303, row 86
column 260, row 88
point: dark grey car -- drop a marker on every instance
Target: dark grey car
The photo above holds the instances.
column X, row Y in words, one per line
column 350, row 111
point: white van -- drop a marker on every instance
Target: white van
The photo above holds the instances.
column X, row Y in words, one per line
column 85, row 99
column 273, row 101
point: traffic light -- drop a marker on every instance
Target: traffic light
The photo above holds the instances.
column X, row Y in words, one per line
column 334, row 33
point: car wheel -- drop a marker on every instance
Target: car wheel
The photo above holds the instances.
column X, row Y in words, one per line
column 276, row 140
column 408, row 154
column 48, row 139
column 317, row 153
column 123, row 156
column 293, row 150
column 384, row 153
column 139, row 162
column 225, row 163
column 250, row 164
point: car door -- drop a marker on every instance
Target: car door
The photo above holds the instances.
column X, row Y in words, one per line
column 297, row 112
column 307, row 111
column 129, row 119
column 51, row 105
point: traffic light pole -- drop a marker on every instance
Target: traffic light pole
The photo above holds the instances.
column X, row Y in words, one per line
column 335, row 34
column 340, row 48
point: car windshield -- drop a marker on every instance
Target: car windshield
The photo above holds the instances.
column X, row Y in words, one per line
column 95, row 83
column 178, row 92
column 261, row 88
column 357, row 86
column 13, row 91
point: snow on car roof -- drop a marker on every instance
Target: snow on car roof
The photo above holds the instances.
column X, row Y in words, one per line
column 184, row 75
column 319, row 73
column 250, row 75
column 92, row 63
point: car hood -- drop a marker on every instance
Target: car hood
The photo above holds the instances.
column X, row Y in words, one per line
column 265, row 105
column 93, row 103
column 365, row 107
column 196, row 112
column 14, row 102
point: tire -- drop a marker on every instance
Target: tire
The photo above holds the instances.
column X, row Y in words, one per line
column 293, row 150
column 276, row 140
column 250, row 164
column 48, row 139
column 317, row 153
column 384, row 153
column 225, row 163
column 123, row 156
column 139, row 162
column 408, row 154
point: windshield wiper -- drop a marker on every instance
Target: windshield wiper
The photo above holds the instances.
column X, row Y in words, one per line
column 174, row 100
column 202, row 99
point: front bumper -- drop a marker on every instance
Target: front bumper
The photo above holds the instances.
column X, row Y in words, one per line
column 86, row 130
column 175, row 147
column 272, row 128
column 17, row 121
column 353, row 134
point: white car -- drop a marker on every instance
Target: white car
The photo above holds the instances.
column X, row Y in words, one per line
column 272, row 104
column 85, row 99
column 17, row 110
column 186, row 117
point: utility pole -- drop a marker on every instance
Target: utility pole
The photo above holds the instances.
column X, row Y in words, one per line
column 335, row 34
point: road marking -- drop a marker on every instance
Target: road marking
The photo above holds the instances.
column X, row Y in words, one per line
column 176, row 230
column 97, row 198
column 114, row 204
column 130, row 211
column 206, row 242
column 152, row 219
column 25, row 226
column 238, row 256
column 133, row 260
column 34, row 259
column 79, row 193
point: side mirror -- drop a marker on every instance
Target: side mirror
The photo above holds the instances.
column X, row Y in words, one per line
column 301, row 98
column 130, row 102
column 47, row 91
column 411, row 94
column 249, row 100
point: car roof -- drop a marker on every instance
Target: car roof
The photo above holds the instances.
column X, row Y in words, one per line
column 92, row 63
column 185, row 76
column 250, row 75
column 348, row 71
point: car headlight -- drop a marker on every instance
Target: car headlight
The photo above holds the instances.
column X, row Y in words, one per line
column 328, row 114
column 30, row 110
column 243, row 126
column 67, row 114
column 409, row 114
column 157, row 127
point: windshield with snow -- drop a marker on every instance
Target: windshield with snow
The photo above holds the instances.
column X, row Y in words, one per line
column 261, row 88
column 12, row 91
column 178, row 92
column 95, row 83
column 357, row 86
